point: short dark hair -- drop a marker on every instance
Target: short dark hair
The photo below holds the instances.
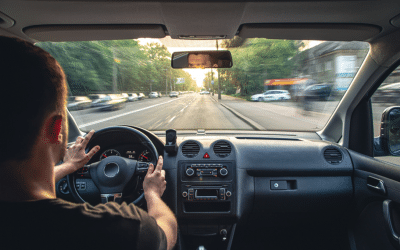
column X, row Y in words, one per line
column 32, row 85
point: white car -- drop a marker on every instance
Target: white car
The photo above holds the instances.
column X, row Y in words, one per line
column 133, row 97
column 173, row 94
column 271, row 95
column 153, row 95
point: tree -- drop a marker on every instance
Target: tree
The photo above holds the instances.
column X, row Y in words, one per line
column 91, row 67
column 255, row 60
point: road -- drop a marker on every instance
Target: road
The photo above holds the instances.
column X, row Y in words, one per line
column 194, row 111
column 189, row 112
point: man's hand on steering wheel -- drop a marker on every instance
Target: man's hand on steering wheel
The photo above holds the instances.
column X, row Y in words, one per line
column 154, row 182
column 76, row 157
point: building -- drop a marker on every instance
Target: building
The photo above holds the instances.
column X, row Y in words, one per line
column 331, row 62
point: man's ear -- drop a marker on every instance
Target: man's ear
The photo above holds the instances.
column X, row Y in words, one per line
column 53, row 129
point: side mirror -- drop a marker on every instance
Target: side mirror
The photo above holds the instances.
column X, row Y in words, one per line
column 390, row 131
column 202, row 59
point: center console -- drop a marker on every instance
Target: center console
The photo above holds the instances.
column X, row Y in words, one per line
column 206, row 203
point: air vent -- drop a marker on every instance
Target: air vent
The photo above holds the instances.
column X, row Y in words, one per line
column 222, row 149
column 190, row 149
column 333, row 156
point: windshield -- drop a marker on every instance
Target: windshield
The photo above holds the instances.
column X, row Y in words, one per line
column 287, row 85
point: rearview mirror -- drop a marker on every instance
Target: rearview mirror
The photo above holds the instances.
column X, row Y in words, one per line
column 390, row 130
column 202, row 59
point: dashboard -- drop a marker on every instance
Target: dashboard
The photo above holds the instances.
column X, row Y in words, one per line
column 131, row 151
column 218, row 183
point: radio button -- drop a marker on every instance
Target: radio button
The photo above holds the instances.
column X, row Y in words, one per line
column 191, row 194
column 222, row 194
column 223, row 172
column 228, row 193
column 184, row 194
column 189, row 172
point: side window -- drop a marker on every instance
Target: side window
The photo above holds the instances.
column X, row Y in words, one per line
column 387, row 95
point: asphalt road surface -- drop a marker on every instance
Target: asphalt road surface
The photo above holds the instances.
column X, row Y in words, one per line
column 194, row 111
column 190, row 112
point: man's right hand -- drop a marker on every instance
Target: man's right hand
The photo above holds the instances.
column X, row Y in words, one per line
column 154, row 185
column 154, row 182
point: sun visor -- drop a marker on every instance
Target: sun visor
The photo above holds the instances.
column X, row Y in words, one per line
column 329, row 32
column 63, row 33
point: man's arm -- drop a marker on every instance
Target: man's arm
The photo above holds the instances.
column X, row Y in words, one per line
column 154, row 186
column 75, row 157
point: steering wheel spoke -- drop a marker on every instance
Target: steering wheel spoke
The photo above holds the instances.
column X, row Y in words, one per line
column 111, row 197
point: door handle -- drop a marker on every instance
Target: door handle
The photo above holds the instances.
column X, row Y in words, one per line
column 393, row 236
column 376, row 184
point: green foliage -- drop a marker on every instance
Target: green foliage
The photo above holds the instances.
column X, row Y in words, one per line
column 92, row 67
column 255, row 60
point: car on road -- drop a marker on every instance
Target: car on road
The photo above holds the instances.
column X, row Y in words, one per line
column 78, row 102
column 133, row 97
column 239, row 175
column 95, row 97
column 277, row 95
column 111, row 102
column 99, row 101
column 205, row 92
column 173, row 94
column 271, row 95
column 389, row 93
column 141, row 96
column 125, row 96
column 320, row 92
column 153, row 95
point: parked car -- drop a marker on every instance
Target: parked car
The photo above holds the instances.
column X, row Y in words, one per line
column 205, row 92
column 271, row 95
column 388, row 94
column 125, row 96
column 78, row 102
column 173, row 94
column 141, row 96
column 277, row 95
column 153, row 95
column 133, row 97
column 98, row 102
column 111, row 102
column 95, row 97
column 319, row 92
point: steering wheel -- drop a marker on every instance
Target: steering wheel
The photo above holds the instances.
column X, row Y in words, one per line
column 112, row 174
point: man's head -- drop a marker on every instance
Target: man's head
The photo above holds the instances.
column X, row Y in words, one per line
column 32, row 103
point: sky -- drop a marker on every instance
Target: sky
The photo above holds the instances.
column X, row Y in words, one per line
column 174, row 45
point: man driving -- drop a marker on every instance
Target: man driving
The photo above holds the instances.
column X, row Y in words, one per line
column 34, row 139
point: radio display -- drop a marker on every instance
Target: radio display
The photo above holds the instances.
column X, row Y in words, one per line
column 206, row 192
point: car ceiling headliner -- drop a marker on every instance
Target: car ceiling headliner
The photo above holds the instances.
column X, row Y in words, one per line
column 198, row 17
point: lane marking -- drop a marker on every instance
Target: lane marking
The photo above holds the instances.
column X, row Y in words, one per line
column 172, row 119
column 124, row 114
column 184, row 108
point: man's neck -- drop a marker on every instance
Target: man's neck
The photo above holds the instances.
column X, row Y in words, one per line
column 28, row 180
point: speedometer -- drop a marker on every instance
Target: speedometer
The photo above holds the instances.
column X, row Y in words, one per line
column 109, row 152
column 145, row 156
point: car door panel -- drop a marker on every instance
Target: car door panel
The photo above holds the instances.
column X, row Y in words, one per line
column 375, row 182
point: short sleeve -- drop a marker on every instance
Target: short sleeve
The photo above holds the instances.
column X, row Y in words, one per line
column 151, row 236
